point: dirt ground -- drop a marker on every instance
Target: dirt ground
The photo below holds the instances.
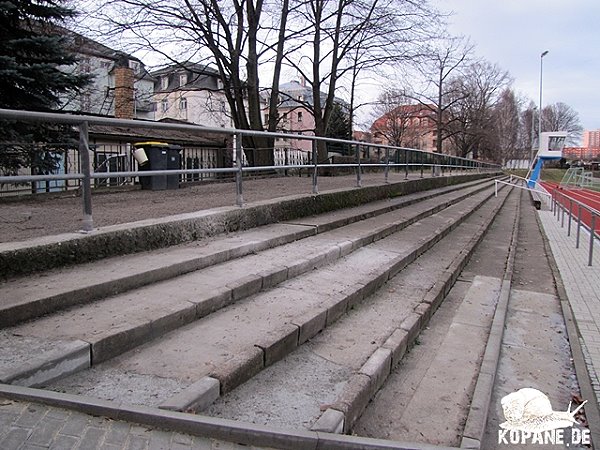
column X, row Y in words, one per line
column 44, row 215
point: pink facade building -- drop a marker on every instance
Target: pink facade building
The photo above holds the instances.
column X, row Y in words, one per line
column 591, row 139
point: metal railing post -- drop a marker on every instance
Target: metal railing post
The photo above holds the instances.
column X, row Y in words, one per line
column 578, row 224
column 358, row 175
column 405, row 164
column 570, row 216
column 422, row 156
column 239, row 197
column 315, row 186
column 86, row 183
column 387, row 165
column 592, row 239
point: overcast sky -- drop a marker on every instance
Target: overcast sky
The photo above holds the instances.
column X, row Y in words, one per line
column 513, row 34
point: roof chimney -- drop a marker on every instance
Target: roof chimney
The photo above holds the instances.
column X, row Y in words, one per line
column 124, row 92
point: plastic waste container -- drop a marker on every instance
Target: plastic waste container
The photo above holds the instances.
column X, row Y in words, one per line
column 160, row 156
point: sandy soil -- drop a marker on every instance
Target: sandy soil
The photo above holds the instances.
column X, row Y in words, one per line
column 45, row 215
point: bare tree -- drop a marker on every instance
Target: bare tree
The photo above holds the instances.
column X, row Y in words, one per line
column 472, row 99
column 506, row 128
column 446, row 58
column 344, row 37
column 561, row 117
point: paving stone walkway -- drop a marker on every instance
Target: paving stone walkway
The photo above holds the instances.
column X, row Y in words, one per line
column 582, row 285
column 31, row 426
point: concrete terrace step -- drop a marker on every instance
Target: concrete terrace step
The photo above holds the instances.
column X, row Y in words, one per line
column 238, row 341
column 116, row 324
column 358, row 349
column 28, row 297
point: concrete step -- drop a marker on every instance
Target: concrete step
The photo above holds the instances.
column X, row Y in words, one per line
column 433, row 388
column 326, row 383
column 233, row 344
column 129, row 318
column 25, row 298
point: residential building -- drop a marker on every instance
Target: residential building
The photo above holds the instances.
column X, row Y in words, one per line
column 584, row 154
column 121, row 86
column 411, row 126
column 591, row 139
column 191, row 93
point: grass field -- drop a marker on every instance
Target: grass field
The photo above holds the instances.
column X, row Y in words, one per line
column 554, row 175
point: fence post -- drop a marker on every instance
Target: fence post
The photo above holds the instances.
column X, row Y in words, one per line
column 86, row 183
column 239, row 197
column 358, row 175
column 422, row 157
column 570, row 216
column 578, row 224
column 405, row 164
column 315, row 186
column 387, row 164
column 592, row 239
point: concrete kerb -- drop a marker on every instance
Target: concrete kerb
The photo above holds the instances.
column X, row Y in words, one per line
column 359, row 390
column 73, row 248
column 480, row 403
column 209, row 427
column 592, row 411
column 196, row 397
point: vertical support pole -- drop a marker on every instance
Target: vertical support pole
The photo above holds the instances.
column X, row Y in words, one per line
column 570, row 216
column 495, row 188
column 358, row 168
column 578, row 225
column 562, row 217
column 315, row 186
column 86, row 183
column 386, row 171
column 592, row 238
column 405, row 164
column 239, row 196
column 422, row 157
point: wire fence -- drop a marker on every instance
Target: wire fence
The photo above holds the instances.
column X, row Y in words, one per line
column 92, row 165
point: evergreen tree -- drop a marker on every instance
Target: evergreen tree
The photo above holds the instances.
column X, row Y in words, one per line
column 32, row 51
column 339, row 127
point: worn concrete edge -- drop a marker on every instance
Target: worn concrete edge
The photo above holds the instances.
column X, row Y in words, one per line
column 195, row 397
column 73, row 248
column 591, row 408
column 13, row 314
column 69, row 358
column 477, row 416
column 210, row 427
column 377, row 369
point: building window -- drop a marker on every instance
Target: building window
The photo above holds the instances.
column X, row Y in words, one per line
column 164, row 82
column 183, row 79
column 135, row 66
column 183, row 103
column 299, row 116
column 165, row 105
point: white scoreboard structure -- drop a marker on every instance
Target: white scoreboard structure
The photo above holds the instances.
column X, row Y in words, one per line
column 552, row 144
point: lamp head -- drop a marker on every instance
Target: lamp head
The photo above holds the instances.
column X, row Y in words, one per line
column 544, row 53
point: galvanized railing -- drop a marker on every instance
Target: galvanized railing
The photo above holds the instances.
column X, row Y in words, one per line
column 408, row 159
column 585, row 216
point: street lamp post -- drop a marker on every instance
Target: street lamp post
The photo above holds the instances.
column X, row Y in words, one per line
column 541, row 108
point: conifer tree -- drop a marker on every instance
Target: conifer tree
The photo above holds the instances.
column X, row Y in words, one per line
column 33, row 58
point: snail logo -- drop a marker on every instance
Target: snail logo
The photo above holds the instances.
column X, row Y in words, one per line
column 531, row 419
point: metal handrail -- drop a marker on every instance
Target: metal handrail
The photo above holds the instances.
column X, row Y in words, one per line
column 560, row 216
column 87, row 174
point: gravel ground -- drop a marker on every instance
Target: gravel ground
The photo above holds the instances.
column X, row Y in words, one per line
column 45, row 215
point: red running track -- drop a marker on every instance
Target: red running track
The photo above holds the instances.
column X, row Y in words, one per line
column 585, row 196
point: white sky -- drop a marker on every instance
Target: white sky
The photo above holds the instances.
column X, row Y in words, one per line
column 513, row 34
